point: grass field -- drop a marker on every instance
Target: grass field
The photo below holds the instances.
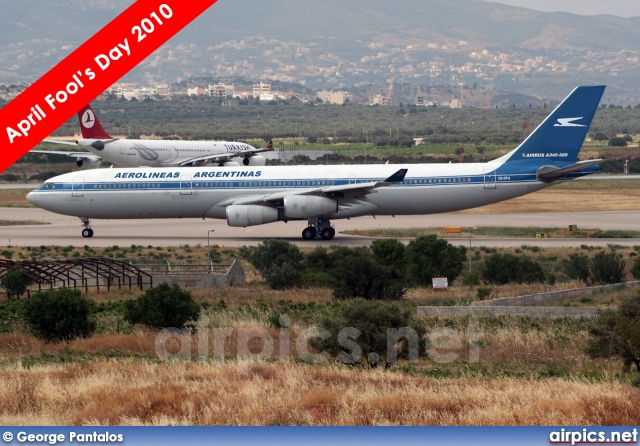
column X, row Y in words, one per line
column 492, row 231
column 129, row 392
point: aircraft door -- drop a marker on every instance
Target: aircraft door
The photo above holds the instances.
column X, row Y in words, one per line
column 77, row 188
column 186, row 185
column 489, row 179
column 172, row 154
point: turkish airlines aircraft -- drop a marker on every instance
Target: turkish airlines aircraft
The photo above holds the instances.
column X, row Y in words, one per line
column 319, row 194
column 153, row 152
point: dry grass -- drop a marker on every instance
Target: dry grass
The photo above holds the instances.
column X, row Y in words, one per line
column 14, row 198
column 245, row 393
column 577, row 196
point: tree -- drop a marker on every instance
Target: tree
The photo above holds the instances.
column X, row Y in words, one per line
column 279, row 262
column 359, row 274
column 15, row 281
column 617, row 333
column 635, row 270
column 163, row 306
column 617, row 142
column 390, row 252
column 507, row 268
column 60, row 315
column 428, row 256
column 578, row 267
column 368, row 324
column 607, row 268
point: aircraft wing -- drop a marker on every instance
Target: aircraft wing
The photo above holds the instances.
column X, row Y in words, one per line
column 77, row 155
column 342, row 191
column 221, row 157
column 68, row 143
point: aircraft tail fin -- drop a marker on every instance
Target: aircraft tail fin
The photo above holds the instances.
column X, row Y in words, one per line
column 90, row 125
column 560, row 136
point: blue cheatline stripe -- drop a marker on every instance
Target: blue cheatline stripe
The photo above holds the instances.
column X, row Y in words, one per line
column 290, row 184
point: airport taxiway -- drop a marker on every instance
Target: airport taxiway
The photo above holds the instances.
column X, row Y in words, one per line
column 64, row 231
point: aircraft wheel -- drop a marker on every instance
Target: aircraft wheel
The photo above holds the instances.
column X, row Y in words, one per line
column 327, row 233
column 309, row 233
column 87, row 232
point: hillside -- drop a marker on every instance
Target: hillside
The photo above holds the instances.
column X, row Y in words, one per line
column 343, row 43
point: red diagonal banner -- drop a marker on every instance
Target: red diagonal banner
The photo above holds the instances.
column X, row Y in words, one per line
column 90, row 70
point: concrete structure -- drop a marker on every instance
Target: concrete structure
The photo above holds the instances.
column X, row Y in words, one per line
column 380, row 100
column 221, row 91
column 261, row 88
column 233, row 275
column 554, row 296
column 537, row 312
column 455, row 103
column 197, row 91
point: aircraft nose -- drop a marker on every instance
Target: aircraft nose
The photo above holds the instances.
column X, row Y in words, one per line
column 33, row 198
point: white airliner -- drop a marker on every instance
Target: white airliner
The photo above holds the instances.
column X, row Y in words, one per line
column 319, row 194
column 152, row 152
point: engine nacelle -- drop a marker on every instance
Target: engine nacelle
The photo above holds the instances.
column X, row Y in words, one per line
column 255, row 160
column 88, row 163
column 229, row 164
column 241, row 216
column 306, row 206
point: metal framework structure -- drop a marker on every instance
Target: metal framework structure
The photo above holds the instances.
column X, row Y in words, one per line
column 82, row 273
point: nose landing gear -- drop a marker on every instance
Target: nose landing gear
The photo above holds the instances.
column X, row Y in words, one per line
column 87, row 232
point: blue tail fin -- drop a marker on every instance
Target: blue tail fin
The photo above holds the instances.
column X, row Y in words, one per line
column 560, row 136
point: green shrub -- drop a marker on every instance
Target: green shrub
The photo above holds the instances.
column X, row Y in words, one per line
column 428, row 256
column 372, row 320
column 60, row 315
column 501, row 269
column 390, row 252
column 617, row 333
column 15, row 281
column 164, row 306
column 635, row 270
column 471, row 279
column 578, row 267
column 279, row 262
column 358, row 273
column 483, row 293
column 616, row 141
column 608, row 268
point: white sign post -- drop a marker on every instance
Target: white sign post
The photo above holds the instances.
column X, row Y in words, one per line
column 440, row 283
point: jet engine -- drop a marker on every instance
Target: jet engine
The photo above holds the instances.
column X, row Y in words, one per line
column 241, row 216
column 255, row 160
column 228, row 164
column 88, row 163
column 306, row 206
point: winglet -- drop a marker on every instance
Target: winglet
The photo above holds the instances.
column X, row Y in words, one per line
column 397, row 177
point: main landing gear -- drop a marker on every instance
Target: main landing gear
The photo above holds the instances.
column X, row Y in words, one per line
column 320, row 228
column 87, row 232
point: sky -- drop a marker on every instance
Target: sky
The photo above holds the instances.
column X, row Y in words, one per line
column 622, row 8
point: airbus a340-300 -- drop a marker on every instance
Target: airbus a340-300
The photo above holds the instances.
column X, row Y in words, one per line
column 319, row 194
column 153, row 152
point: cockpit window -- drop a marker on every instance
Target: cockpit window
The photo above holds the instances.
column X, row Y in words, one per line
column 49, row 186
